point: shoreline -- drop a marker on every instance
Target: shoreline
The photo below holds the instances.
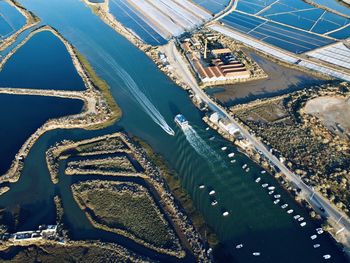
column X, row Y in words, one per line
column 99, row 109
column 153, row 176
column 31, row 20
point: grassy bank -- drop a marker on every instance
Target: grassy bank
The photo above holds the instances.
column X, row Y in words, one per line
column 103, row 87
column 181, row 195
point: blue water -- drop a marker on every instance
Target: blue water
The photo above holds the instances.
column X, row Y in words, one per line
column 253, row 219
column 23, row 115
column 335, row 5
column 214, row 6
column 51, row 63
column 130, row 18
column 10, row 19
column 295, row 13
column 281, row 36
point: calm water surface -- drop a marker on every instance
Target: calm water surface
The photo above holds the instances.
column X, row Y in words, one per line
column 196, row 156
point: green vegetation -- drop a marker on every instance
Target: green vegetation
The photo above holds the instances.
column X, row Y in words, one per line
column 181, row 195
column 59, row 253
column 129, row 207
column 107, row 144
column 315, row 152
column 103, row 87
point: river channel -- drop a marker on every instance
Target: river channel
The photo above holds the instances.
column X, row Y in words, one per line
column 150, row 101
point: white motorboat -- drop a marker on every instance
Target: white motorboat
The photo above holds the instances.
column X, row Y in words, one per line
column 258, row 180
column 239, row 246
column 214, row 202
column 303, row 224
column 225, row 213
column 300, row 219
column 290, row 211
column 277, row 196
column 317, row 245
column 313, row 237
column 212, row 192
column 202, row 186
column 284, row 206
column 231, row 155
column 224, row 148
column 271, row 192
column 256, row 254
column 271, row 188
column 276, row 201
column 327, row 256
column 244, row 166
column 263, row 172
column 296, row 217
column 319, row 231
column 264, row 185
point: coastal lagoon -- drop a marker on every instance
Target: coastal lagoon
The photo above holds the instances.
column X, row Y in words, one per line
column 25, row 116
column 10, row 20
column 196, row 156
column 43, row 62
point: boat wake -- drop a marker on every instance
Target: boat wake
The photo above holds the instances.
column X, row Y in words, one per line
column 103, row 59
column 201, row 147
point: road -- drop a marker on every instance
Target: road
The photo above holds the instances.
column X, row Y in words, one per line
column 339, row 220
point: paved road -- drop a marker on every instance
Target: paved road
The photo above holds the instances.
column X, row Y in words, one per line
column 314, row 198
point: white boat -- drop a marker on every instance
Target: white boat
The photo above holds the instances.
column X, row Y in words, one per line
column 277, row 196
column 317, row 245
column 181, row 121
column 207, row 129
column 327, row 256
column 296, row 217
column 300, row 219
column 319, row 231
column 244, row 166
column 271, row 188
column 247, row 170
column 303, row 224
column 264, row 185
column 258, row 180
column 263, row 172
column 212, row 138
column 256, row 254
column 271, row 192
column 284, row 206
column 233, row 161
column 212, row 192
column 239, row 246
column 214, row 203
column 276, row 201
column 313, row 237
column 225, row 213
column 290, row 211
column 202, row 186
column 231, row 155
column 224, row 148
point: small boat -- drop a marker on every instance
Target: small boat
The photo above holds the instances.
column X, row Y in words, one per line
column 224, row 148
column 300, row 219
column 264, row 185
column 319, row 231
column 258, row 180
column 296, row 217
column 263, row 172
column 214, row 202
column 327, row 256
column 313, row 237
column 231, row 155
column 271, row 192
column 212, row 138
column 271, row 188
column 225, row 213
column 256, row 254
column 239, row 246
column 276, row 201
column 290, row 211
column 277, row 196
column 233, row 161
column 207, row 129
column 303, row 224
column 181, row 121
column 317, row 245
column 247, row 170
column 202, row 186
column 284, row 206
column 244, row 166
column 212, row 192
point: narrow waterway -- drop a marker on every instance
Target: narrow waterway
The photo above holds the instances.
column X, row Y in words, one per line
column 253, row 218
